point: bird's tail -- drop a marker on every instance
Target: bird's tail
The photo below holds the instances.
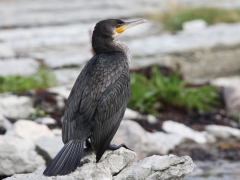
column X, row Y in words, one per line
column 67, row 160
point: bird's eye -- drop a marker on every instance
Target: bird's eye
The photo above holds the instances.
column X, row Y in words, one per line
column 119, row 25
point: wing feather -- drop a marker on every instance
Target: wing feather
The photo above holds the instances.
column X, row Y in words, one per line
column 100, row 92
column 109, row 113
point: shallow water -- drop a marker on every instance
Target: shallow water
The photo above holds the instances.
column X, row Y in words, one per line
column 219, row 170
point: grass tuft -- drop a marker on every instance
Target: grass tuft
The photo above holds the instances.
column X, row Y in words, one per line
column 43, row 78
column 173, row 19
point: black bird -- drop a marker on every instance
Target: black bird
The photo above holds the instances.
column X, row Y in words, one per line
column 98, row 100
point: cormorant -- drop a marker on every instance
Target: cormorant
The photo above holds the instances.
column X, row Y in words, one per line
column 98, row 100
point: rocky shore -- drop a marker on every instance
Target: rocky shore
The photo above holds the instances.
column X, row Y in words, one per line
column 56, row 34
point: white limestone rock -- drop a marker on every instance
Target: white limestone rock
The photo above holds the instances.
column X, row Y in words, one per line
column 112, row 162
column 118, row 163
column 18, row 156
column 29, row 130
column 231, row 93
column 223, row 132
column 16, row 107
column 145, row 143
column 158, row 167
column 6, row 52
column 232, row 99
column 194, row 25
column 225, row 81
column 184, row 131
column 22, row 67
column 66, row 75
column 48, row 147
column 69, row 61
column 131, row 114
column 57, row 132
column 4, row 123
column 45, row 120
column 63, row 91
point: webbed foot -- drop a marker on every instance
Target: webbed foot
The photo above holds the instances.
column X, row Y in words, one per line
column 114, row 146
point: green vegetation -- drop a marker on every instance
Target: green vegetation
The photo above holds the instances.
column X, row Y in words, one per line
column 157, row 92
column 43, row 78
column 174, row 19
column 37, row 113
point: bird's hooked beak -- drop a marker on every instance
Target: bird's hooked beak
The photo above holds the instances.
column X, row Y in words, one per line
column 130, row 24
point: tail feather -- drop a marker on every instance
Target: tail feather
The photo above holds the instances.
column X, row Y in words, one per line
column 67, row 160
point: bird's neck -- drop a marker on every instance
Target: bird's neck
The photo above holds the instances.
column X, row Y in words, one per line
column 101, row 45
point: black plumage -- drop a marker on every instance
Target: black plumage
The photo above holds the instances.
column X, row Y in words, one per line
column 98, row 100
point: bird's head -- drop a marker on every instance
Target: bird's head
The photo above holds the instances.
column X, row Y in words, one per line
column 114, row 27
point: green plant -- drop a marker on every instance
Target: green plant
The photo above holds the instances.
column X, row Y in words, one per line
column 43, row 78
column 173, row 19
column 37, row 113
column 150, row 95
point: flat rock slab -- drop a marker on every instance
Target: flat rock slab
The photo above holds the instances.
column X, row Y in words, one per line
column 48, row 147
column 143, row 142
column 158, row 167
column 196, row 53
column 66, row 76
column 60, row 36
column 16, row 107
column 4, row 123
column 187, row 40
column 6, row 52
column 115, row 165
column 18, row 156
column 185, row 132
column 223, row 132
column 131, row 114
column 29, row 130
column 22, row 67
column 24, row 14
column 111, row 162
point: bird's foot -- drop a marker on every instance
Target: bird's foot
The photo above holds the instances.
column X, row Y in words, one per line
column 114, row 146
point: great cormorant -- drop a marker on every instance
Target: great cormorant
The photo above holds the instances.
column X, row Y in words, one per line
column 98, row 100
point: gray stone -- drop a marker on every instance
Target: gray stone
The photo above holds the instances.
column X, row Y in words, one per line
column 57, row 132
column 158, row 167
column 112, row 162
column 16, row 106
column 45, row 120
column 231, row 93
column 4, row 123
column 58, row 62
column 63, row 91
column 143, row 142
column 194, row 25
column 48, row 147
column 186, row 40
column 232, row 99
column 29, row 130
column 223, row 132
column 6, row 52
column 184, row 131
column 61, row 42
column 118, row 162
column 226, row 81
column 66, row 76
column 18, row 156
column 130, row 114
column 22, row 67
column 196, row 53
